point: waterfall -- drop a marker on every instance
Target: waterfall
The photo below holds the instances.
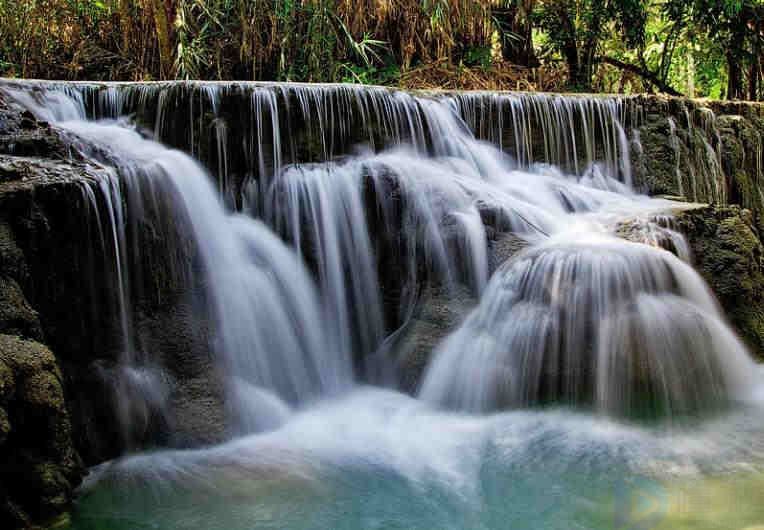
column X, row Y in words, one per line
column 308, row 225
column 269, row 330
column 381, row 193
column 595, row 321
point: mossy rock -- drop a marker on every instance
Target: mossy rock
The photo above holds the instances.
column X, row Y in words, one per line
column 36, row 448
column 16, row 315
column 728, row 253
column 7, row 382
column 26, row 357
column 655, row 166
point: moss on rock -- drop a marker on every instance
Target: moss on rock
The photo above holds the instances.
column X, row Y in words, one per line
column 16, row 315
column 728, row 253
column 700, row 150
column 655, row 164
column 37, row 454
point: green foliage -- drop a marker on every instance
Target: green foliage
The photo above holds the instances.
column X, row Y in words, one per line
column 732, row 29
column 576, row 30
column 702, row 47
column 478, row 56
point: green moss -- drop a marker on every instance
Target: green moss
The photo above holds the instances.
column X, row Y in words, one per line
column 37, row 456
column 729, row 254
column 26, row 357
column 5, row 426
column 43, row 390
column 657, row 165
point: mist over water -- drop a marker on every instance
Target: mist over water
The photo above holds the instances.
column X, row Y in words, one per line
column 592, row 367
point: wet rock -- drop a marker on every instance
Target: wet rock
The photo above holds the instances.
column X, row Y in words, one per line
column 728, row 252
column 503, row 247
column 21, row 134
column 438, row 312
column 37, row 455
column 742, row 145
column 703, row 151
column 16, row 315
column 655, row 164
column 178, row 335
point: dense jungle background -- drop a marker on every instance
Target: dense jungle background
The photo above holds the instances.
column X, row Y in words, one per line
column 700, row 48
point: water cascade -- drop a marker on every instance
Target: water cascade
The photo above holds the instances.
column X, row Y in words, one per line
column 309, row 220
column 593, row 320
column 260, row 294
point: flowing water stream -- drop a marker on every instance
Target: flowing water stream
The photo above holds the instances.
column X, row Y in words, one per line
column 595, row 385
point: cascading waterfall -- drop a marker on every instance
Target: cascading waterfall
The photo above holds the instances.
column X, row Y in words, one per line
column 269, row 330
column 378, row 194
column 592, row 320
column 279, row 345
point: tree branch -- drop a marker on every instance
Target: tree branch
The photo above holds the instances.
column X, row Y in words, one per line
column 644, row 74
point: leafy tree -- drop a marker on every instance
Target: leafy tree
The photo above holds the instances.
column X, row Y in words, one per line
column 576, row 29
column 736, row 27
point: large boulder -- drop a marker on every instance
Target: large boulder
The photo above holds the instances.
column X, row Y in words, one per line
column 39, row 466
column 728, row 252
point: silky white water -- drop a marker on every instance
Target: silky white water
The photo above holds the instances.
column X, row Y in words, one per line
column 592, row 369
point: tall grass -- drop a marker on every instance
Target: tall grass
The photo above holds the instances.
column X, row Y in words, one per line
column 310, row 40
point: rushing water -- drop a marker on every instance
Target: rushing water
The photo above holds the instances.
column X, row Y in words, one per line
column 596, row 384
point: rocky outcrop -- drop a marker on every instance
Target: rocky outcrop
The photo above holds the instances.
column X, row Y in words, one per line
column 39, row 464
column 728, row 252
column 39, row 467
column 60, row 333
column 438, row 312
column 701, row 151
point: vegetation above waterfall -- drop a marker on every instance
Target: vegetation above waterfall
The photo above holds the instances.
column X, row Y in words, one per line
column 707, row 48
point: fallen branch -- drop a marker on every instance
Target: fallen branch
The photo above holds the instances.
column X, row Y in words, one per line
column 644, row 74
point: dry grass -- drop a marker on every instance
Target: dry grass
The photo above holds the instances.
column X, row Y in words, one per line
column 442, row 75
column 307, row 40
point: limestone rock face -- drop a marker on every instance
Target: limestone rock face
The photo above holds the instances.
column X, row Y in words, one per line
column 728, row 252
column 39, row 467
column 702, row 151
column 58, row 297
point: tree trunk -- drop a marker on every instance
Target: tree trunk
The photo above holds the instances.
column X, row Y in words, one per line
column 575, row 73
column 125, row 24
column 734, row 78
column 163, row 38
column 754, row 73
column 516, row 19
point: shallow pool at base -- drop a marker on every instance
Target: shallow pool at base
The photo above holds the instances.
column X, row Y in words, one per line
column 394, row 464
